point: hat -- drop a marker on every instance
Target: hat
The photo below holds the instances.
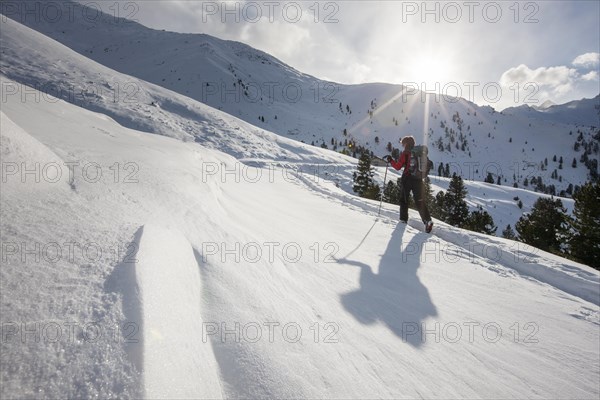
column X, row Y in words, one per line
column 408, row 140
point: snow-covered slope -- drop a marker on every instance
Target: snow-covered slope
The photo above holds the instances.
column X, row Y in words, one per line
column 263, row 91
column 33, row 60
column 219, row 259
column 258, row 284
column 36, row 61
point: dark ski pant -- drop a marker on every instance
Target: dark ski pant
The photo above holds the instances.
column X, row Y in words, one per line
column 412, row 183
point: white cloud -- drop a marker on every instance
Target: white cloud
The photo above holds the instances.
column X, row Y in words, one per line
column 270, row 37
column 558, row 84
column 542, row 75
column 587, row 60
column 590, row 76
column 552, row 79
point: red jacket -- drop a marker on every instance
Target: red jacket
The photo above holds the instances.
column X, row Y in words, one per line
column 403, row 161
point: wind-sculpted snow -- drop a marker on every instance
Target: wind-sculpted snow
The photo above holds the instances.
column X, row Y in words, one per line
column 18, row 147
column 269, row 284
column 162, row 295
column 218, row 259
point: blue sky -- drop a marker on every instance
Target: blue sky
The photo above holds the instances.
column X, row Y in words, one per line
column 502, row 53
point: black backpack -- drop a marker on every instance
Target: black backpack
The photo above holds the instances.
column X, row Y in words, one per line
column 420, row 164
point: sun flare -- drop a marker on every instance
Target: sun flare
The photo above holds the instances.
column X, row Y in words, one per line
column 430, row 69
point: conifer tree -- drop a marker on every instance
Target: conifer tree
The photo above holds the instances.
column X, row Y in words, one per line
column 455, row 206
column 509, row 233
column 364, row 185
column 428, row 194
column 391, row 193
column 585, row 242
column 546, row 226
column 481, row 221
column 438, row 210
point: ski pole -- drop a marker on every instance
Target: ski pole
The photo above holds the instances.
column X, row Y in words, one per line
column 383, row 189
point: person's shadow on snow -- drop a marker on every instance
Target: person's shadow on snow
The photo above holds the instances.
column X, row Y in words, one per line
column 395, row 295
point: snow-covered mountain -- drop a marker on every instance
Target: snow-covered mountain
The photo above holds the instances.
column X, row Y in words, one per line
column 544, row 105
column 161, row 272
column 37, row 61
column 514, row 145
column 220, row 259
column 585, row 111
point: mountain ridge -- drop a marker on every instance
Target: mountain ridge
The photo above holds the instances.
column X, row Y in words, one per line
column 263, row 91
column 184, row 252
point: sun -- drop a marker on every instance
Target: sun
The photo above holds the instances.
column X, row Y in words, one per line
column 430, row 69
column 427, row 69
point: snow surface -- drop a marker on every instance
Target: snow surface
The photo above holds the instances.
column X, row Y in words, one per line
column 128, row 258
column 361, row 300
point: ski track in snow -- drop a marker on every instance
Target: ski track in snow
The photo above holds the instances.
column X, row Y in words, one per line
column 507, row 258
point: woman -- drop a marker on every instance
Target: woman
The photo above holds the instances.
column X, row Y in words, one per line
column 411, row 182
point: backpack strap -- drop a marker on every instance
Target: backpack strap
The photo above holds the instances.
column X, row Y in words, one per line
column 407, row 159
